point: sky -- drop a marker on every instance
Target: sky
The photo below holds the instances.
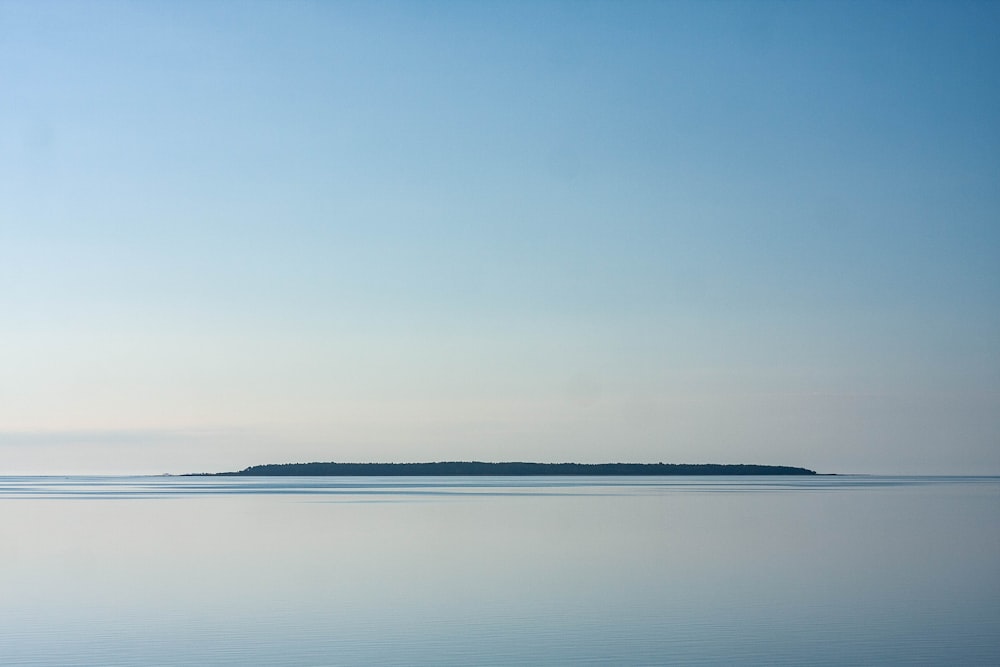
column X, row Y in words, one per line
column 235, row 233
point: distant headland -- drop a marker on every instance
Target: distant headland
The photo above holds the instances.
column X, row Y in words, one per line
column 512, row 469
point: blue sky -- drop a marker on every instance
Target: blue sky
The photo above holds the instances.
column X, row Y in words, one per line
column 236, row 233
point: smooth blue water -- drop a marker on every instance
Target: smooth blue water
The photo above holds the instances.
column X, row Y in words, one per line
column 498, row 571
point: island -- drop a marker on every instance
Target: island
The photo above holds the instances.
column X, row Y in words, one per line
column 510, row 469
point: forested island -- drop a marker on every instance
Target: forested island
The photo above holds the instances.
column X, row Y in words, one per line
column 514, row 469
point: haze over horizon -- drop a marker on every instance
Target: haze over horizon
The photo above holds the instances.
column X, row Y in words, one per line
column 240, row 233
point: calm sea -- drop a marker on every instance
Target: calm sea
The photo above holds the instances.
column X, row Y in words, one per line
column 499, row 571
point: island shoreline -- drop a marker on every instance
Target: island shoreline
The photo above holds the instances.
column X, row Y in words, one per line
column 507, row 469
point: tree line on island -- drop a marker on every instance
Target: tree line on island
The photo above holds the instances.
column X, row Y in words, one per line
column 470, row 468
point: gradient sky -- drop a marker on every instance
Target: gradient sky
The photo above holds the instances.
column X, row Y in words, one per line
column 235, row 233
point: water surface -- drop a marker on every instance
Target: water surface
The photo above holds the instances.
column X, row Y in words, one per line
column 497, row 571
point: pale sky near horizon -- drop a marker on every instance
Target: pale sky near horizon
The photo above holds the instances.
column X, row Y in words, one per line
column 235, row 233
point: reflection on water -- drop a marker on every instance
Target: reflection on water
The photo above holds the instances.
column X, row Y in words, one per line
column 384, row 487
column 457, row 571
